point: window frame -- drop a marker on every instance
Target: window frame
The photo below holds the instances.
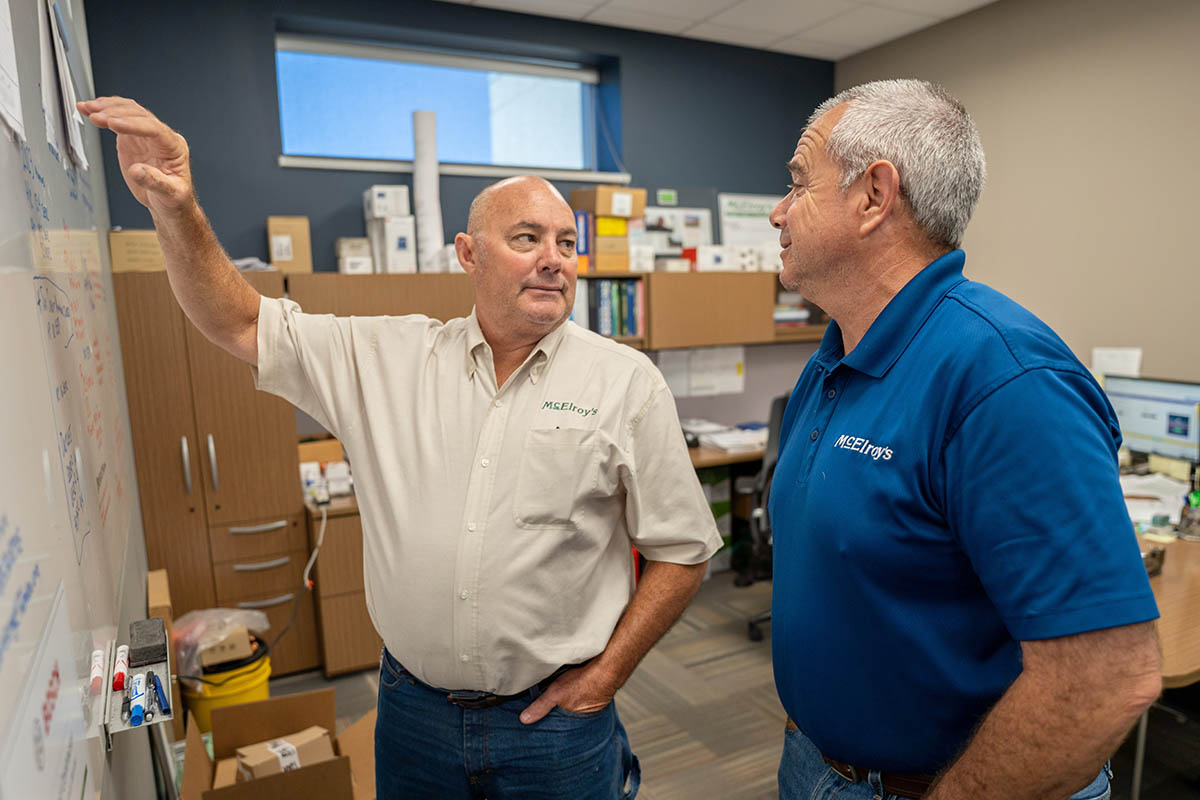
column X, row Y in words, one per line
column 411, row 55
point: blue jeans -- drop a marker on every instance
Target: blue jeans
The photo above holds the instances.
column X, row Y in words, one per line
column 804, row 776
column 426, row 747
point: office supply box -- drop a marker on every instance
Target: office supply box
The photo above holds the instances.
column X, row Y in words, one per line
column 289, row 244
column 348, row 775
column 135, row 251
column 610, row 201
column 385, row 201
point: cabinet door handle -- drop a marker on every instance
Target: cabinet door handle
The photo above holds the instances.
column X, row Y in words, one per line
column 187, row 463
column 279, row 562
column 264, row 528
column 274, row 601
column 213, row 463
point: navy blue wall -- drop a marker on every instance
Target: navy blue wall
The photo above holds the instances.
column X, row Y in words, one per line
column 695, row 116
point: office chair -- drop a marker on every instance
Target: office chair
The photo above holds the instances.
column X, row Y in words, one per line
column 760, row 521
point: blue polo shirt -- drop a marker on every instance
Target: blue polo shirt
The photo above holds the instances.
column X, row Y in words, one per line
column 943, row 492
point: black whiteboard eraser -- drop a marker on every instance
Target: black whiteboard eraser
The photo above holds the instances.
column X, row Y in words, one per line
column 147, row 642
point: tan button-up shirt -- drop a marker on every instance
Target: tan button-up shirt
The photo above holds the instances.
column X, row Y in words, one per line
column 497, row 521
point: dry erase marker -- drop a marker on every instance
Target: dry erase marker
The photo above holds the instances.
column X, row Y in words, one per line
column 137, row 699
column 125, row 704
column 97, row 671
column 160, row 694
column 121, row 669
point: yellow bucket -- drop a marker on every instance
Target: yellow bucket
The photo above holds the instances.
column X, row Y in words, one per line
column 241, row 685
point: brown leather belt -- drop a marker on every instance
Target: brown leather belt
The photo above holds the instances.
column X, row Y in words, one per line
column 911, row 786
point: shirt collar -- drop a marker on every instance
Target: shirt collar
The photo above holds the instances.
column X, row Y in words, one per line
column 899, row 321
column 538, row 359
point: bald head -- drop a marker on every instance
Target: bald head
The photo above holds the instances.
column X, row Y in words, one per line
column 504, row 195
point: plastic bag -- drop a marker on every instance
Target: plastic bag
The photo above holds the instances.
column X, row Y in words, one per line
column 196, row 631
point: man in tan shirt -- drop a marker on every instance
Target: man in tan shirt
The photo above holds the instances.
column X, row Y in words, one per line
column 504, row 463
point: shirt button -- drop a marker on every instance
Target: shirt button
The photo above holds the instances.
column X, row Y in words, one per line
column 464, row 657
column 498, row 404
column 832, row 393
column 463, row 594
column 813, row 435
column 470, row 526
column 484, row 462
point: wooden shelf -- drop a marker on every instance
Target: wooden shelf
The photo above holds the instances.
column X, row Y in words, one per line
column 636, row 342
column 611, row 274
column 806, row 333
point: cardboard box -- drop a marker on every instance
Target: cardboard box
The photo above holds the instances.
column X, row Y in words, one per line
column 352, row 247
column 610, row 201
column 355, row 265
column 385, row 201
column 583, row 264
column 235, row 645
column 641, row 258
column 135, row 251
column 612, row 226
column 293, row 751
column 289, row 244
column 610, row 244
column 610, row 262
column 349, row 775
column 226, row 773
column 393, row 244
column 322, row 450
column 713, row 258
column 158, row 597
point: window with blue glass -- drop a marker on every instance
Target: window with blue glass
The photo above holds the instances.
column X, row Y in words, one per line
column 357, row 101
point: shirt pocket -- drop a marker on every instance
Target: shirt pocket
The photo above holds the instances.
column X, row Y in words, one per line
column 560, row 470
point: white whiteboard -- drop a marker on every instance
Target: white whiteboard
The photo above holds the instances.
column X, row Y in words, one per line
column 68, row 495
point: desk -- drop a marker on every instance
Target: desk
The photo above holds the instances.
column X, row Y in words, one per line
column 712, row 457
column 1177, row 592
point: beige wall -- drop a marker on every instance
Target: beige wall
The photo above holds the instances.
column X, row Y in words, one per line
column 1089, row 112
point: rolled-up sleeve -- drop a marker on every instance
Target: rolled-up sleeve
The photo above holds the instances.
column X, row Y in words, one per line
column 665, row 510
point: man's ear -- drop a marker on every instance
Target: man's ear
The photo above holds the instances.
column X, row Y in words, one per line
column 880, row 198
column 468, row 252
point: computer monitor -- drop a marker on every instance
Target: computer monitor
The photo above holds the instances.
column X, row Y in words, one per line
column 1157, row 416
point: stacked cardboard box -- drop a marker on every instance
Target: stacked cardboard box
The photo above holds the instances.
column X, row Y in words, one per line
column 609, row 209
column 354, row 255
column 391, row 229
column 289, row 244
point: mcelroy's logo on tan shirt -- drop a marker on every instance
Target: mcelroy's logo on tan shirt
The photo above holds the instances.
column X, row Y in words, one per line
column 568, row 406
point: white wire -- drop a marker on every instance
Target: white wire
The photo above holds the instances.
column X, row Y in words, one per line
column 317, row 549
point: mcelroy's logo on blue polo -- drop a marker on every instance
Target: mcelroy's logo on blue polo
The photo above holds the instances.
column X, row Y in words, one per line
column 565, row 405
column 864, row 446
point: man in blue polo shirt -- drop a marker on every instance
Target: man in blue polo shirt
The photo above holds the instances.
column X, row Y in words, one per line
column 960, row 609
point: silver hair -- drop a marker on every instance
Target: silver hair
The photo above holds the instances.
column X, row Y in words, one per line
column 927, row 135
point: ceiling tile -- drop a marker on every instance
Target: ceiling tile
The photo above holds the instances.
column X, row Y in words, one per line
column 568, row 9
column 867, row 26
column 638, row 20
column 800, row 46
column 683, row 9
column 781, row 17
column 726, row 34
column 934, row 8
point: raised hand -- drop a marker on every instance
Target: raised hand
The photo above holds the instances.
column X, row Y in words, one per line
column 154, row 158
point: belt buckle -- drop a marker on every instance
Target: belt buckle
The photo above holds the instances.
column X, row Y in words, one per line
column 471, row 700
column 848, row 772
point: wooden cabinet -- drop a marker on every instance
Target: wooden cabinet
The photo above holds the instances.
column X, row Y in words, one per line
column 348, row 638
column 442, row 296
column 218, row 472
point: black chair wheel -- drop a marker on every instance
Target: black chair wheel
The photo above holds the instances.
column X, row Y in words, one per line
column 754, row 632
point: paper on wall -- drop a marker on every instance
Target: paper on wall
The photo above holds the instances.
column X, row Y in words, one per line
column 10, row 87
column 717, row 370
column 673, row 364
column 74, row 121
column 431, row 237
column 51, row 104
column 1125, row 361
